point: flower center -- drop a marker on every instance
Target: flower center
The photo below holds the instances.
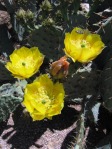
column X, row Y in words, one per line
column 44, row 96
column 84, row 44
column 43, row 101
column 23, row 64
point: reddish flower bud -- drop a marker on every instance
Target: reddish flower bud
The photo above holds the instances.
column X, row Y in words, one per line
column 59, row 69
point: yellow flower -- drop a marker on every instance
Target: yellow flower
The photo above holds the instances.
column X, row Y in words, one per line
column 82, row 46
column 25, row 62
column 43, row 98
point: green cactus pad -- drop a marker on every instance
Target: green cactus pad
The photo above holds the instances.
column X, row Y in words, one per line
column 10, row 98
column 49, row 41
column 81, row 84
column 106, row 86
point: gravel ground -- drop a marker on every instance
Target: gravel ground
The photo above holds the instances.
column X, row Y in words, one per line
column 19, row 132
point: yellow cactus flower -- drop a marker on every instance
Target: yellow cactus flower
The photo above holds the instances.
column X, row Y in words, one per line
column 43, row 98
column 25, row 62
column 82, row 46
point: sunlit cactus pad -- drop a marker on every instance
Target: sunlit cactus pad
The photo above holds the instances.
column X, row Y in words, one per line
column 9, row 99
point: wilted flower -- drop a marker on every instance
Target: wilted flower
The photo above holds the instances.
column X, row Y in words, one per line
column 25, row 62
column 43, row 98
column 59, row 69
column 82, row 46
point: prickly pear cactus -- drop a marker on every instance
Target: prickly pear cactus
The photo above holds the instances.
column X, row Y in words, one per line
column 106, row 86
column 11, row 95
column 48, row 40
column 82, row 87
column 74, row 21
column 82, row 83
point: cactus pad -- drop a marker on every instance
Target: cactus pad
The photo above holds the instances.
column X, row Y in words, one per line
column 48, row 40
column 81, row 84
column 106, row 90
column 10, row 98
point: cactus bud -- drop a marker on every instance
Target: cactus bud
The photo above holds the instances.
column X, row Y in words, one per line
column 20, row 14
column 46, row 5
column 29, row 14
column 59, row 69
column 48, row 21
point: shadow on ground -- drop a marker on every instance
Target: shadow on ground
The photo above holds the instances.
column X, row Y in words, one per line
column 25, row 132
